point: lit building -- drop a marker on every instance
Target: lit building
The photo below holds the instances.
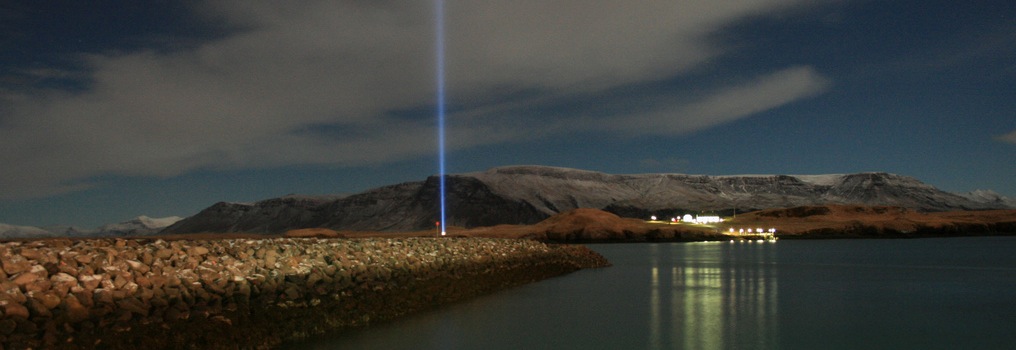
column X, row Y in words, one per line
column 702, row 219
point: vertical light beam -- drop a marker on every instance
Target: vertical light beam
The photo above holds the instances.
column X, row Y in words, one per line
column 440, row 63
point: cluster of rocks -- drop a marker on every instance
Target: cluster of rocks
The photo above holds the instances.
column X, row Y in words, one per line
column 246, row 293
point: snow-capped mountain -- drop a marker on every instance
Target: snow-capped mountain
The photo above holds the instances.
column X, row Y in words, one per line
column 12, row 231
column 138, row 226
column 989, row 196
column 528, row 194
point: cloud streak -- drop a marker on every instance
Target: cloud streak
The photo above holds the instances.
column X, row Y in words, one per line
column 722, row 105
column 1008, row 138
column 319, row 83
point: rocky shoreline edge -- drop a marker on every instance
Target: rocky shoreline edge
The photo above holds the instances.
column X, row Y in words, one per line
column 247, row 293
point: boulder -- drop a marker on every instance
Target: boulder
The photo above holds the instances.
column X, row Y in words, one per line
column 62, row 283
column 143, row 282
column 48, row 299
column 74, row 310
column 15, row 310
column 11, row 292
column 197, row 251
column 16, row 264
column 26, row 281
column 119, row 282
column 133, row 305
column 32, row 254
column 102, row 296
column 90, row 282
column 138, row 266
column 84, row 258
column 164, row 254
column 41, row 270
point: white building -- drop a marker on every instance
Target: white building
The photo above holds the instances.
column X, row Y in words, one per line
column 702, row 219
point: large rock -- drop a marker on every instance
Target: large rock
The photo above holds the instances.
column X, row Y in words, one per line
column 15, row 263
column 15, row 310
column 76, row 312
column 11, row 292
column 25, row 279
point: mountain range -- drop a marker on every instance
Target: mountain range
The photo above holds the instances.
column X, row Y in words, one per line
column 529, row 194
column 139, row 226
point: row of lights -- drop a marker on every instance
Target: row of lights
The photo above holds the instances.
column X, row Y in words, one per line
column 752, row 241
column 753, row 231
column 740, row 231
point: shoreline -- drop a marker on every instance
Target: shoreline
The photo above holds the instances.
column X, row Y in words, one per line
column 248, row 293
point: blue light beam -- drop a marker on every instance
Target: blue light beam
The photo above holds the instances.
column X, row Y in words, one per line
column 440, row 53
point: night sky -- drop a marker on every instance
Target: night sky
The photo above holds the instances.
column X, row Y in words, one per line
column 114, row 109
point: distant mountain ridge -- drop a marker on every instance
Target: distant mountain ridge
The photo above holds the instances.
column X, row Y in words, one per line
column 139, row 226
column 529, row 194
column 14, row 231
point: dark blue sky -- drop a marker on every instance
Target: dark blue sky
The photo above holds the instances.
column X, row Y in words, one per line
column 113, row 109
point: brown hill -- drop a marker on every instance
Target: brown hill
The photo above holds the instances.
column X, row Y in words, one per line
column 594, row 225
column 861, row 221
column 829, row 221
column 587, row 224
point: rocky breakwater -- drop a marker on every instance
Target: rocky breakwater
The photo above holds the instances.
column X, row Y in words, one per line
column 247, row 293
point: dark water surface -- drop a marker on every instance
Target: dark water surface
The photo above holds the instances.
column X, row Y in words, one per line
column 941, row 293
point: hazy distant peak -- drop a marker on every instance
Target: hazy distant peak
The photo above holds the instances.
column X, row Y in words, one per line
column 14, row 231
column 139, row 226
column 158, row 222
column 989, row 196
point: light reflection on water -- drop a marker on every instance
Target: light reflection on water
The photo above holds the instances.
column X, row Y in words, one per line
column 702, row 294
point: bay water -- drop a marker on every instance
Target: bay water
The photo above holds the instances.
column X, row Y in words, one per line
column 935, row 293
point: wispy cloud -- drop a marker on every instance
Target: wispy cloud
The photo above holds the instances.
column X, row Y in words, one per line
column 723, row 105
column 1008, row 138
column 261, row 96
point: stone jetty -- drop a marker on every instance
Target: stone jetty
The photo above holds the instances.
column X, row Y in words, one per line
column 247, row 293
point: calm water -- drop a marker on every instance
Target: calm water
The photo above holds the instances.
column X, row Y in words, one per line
column 947, row 293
